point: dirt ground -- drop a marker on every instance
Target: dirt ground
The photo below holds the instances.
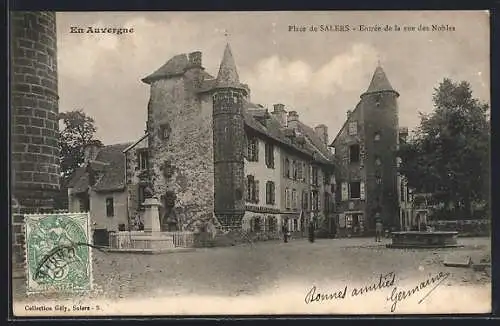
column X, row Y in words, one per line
column 253, row 268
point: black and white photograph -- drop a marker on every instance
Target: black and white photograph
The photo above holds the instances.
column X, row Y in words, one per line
column 250, row 163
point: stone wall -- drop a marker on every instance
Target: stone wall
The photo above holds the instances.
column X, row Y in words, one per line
column 182, row 161
column 34, row 109
column 18, row 243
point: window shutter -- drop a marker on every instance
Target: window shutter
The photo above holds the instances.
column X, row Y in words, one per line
column 271, row 154
column 247, row 193
column 256, row 185
column 268, row 192
column 273, row 196
column 256, row 142
column 344, row 191
column 362, row 190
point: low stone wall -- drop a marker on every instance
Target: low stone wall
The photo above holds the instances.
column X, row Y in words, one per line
column 144, row 240
column 233, row 238
column 465, row 228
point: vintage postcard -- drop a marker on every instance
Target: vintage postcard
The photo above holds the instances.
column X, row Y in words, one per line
column 250, row 163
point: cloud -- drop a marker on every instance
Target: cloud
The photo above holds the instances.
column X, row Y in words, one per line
column 276, row 79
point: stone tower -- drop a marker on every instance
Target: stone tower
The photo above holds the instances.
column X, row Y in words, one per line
column 228, row 134
column 34, row 109
column 380, row 115
column 34, row 119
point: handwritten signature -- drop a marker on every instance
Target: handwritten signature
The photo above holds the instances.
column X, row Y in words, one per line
column 384, row 281
column 401, row 295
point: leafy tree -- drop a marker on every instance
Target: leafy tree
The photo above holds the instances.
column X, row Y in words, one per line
column 78, row 132
column 449, row 154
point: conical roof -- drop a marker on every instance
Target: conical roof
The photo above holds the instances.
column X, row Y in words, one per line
column 379, row 82
column 228, row 74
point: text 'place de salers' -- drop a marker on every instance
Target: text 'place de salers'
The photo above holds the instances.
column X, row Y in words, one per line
column 215, row 159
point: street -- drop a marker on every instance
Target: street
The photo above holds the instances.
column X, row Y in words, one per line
column 253, row 268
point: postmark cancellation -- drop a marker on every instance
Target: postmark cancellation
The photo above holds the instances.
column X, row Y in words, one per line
column 58, row 253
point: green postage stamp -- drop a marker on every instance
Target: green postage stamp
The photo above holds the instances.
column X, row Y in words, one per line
column 58, row 253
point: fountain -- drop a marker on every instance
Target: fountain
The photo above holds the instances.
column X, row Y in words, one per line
column 424, row 239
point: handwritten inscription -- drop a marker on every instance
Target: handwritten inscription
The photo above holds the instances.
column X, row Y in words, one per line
column 384, row 281
column 401, row 295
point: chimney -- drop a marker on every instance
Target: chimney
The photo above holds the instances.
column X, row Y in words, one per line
column 247, row 88
column 195, row 59
column 293, row 119
column 280, row 114
column 322, row 132
column 403, row 134
column 349, row 112
column 91, row 150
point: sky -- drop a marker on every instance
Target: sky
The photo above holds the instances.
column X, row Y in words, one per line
column 318, row 74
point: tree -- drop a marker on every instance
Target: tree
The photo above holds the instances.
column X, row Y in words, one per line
column 78, row 132
column 449, row 154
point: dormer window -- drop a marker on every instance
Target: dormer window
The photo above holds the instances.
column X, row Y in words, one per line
column 377, row 136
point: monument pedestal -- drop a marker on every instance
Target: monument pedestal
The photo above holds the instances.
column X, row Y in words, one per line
column 151, row 215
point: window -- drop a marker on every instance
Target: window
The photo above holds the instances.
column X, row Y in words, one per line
column 294, row 199
column 377, row 136
column 141, row 195
column 305, row 201
column 253, row 149
column 287, row 168
column 295, row 224
column 252, row 190
column 270, row 193
column 270, row 156
column 143, row 160
column 314, row 201
column 378, row 180
column 354, row 153
column 378, row 99
column 256, row 227
column 300, row 171
column 353, row 128
column 110, row 209
column 332, row 150
column 326, row 202
column 355, row 190
column 295, row 169
column 402, row 191
column 165, row 131
column 287, row 198
column 378, row 162
column 314, row 176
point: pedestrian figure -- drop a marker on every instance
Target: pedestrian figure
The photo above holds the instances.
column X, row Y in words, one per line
column 379, row 228
column 284, row 229
column 311, row 231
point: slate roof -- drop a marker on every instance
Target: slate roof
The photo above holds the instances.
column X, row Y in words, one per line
column 272, row 129
column 110, row 165
column 228, row 74
column 379, row 82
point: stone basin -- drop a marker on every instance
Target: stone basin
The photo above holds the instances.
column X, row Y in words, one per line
column 424, row 239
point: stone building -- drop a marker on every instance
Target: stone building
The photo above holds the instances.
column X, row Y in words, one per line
column 34, row 119
column 365, row 149
column 212, row 156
